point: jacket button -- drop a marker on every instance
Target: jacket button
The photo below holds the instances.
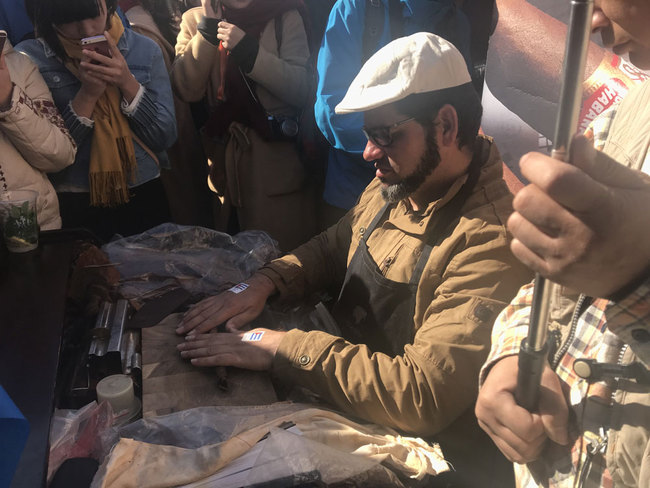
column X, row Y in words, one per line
column 304, row 360
column 362, row 230
column 641, row 335
column 56, row 78
column 421, row 223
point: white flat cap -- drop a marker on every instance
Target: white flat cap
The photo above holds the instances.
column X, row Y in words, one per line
column 419, row 63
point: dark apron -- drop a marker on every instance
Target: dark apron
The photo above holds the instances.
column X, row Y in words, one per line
column 376, row 311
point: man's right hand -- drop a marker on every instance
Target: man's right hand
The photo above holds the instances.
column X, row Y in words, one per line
column 518, row 433
column 235, row 309
column 583, row 225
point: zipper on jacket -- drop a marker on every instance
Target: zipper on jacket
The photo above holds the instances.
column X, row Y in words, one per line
column 572, row 332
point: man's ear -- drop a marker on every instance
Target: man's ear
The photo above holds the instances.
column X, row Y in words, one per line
column 447, row 120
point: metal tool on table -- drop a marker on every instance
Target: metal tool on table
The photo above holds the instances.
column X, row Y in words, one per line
column 114, row 349
column 534, row 349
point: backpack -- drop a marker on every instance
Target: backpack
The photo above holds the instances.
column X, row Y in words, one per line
column 311, row 144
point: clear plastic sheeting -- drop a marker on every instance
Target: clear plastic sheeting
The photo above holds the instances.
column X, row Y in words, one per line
column 86, row 432
column 282, row 445
column 203, row 261
column 202, row 426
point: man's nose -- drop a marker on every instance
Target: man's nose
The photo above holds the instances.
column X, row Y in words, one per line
column 372, row 152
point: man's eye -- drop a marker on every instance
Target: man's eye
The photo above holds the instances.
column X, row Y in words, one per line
column 396, row 135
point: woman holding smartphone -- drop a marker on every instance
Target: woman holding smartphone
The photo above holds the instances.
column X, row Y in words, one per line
column 248, row 60
column 116, row 100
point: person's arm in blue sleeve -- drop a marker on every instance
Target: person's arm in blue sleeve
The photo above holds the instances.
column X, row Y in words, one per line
column 153, row 119
column 339, row 61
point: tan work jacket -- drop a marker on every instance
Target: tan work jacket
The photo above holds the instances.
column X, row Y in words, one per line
column 470, row 276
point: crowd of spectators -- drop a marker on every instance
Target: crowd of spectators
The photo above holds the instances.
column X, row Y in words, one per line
column 124, row 114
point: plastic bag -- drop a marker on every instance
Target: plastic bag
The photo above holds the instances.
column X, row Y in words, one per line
column 86, row 432
column 196, row 447
column 203, row 261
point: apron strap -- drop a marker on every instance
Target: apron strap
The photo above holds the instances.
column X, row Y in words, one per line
column 370, row 229
column 422, row 262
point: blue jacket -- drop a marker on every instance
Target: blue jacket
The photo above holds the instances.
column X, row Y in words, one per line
column 153, row 120
column 339, row 61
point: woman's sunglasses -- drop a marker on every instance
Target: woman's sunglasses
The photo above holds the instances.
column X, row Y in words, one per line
column 383, row 136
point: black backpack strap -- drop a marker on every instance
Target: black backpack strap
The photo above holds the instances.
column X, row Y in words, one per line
column 375, row 17
column 396, row 19
column 278, row 30
column 373, row 27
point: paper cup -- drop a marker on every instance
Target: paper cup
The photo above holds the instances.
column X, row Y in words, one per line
column 19, row 221
column 118, row 390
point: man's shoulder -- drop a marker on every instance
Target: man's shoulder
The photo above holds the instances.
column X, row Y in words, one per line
column 487, row 208
column 371, row 196
column 370, row 202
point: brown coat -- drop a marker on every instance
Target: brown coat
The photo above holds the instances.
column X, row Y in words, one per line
column 280, row 75
column 264, row 180
column 470, row 276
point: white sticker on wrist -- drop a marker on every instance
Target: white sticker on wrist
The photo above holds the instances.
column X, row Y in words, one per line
column 238, row 288
column 253, row 336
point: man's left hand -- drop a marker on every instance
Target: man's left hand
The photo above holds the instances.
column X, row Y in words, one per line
column 583, row 225
column 228, row 349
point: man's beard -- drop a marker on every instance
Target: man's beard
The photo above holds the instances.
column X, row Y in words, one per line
column 409, row 184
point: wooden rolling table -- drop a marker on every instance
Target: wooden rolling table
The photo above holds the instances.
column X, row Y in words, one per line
column 171, row 384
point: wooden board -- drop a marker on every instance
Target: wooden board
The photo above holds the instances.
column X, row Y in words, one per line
column 171, row 384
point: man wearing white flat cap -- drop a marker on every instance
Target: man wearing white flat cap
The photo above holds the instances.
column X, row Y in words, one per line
column 422, row 263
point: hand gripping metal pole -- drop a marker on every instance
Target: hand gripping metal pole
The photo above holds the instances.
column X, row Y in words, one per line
column 533, row 351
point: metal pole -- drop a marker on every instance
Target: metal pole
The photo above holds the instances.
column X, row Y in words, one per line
column 533, row 351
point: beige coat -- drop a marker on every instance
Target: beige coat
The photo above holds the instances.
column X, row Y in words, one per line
column 264, row 180
column 282, row 79
column 33, row 139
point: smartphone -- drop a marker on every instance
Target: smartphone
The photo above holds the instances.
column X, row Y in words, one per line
column 99, row 44
column 3, row 38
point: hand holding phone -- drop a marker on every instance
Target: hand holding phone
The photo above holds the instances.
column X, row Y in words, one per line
column 97, row 44
column 112, row 69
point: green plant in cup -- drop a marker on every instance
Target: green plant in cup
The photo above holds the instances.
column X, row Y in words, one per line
column 20, row 226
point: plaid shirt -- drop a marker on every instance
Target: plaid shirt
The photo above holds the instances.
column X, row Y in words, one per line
column 561, row 466
column 585, row 463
